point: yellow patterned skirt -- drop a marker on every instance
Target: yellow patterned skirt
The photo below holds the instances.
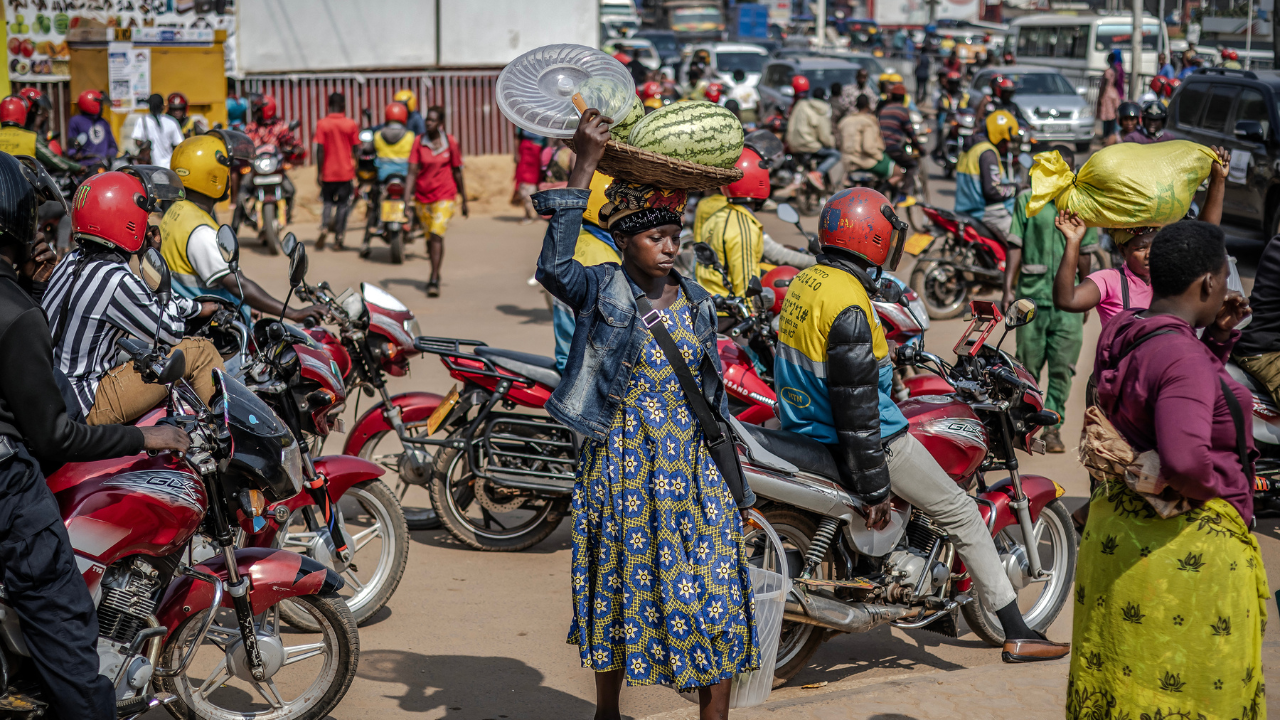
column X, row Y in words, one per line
column 1169, row 614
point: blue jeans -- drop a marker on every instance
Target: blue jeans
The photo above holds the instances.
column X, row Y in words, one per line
column 830, row 156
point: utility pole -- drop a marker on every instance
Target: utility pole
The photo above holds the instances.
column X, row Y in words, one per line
column 1135, row 84
column 820, row 23
column 1248, row 36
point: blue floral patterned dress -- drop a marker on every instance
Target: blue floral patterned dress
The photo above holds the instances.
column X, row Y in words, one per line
column 660, row 581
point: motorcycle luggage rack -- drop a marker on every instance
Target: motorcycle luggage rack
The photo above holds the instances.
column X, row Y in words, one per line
column 495, row 454
column 450, row 350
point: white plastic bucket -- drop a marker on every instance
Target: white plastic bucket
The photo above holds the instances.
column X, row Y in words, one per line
column 770, row 588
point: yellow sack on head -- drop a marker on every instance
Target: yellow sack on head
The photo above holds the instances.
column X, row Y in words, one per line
column 1124, row 186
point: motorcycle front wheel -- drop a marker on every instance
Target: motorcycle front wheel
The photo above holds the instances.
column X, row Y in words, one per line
column 377, row 526
column 270, row 229
column 1055, row 540
column 799, row 641
column 942, row 287
column 314, row 669
column 492, row 523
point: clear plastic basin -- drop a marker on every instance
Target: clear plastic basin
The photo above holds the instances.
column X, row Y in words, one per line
column 535, row 91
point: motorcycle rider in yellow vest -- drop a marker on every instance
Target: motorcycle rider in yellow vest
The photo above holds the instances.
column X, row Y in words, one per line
column 188, row 232
column 393, row 142
column 595, row 247
column 733, row 231
column 14, row 138
column 834, row 377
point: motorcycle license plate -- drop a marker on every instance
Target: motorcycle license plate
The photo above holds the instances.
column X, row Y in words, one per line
column 268, row 179
column 442, row 411
column 966, row 132
column 393, row 211
column 917, row 243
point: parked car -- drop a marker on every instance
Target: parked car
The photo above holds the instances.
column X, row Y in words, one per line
column 664, row 41
column 1237, row 110
column 775, row 84
column 727, row 58
column 1055, row 111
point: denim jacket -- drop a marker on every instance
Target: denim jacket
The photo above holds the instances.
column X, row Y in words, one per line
column 607, row 340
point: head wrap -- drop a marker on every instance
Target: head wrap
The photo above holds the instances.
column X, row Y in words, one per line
column 632, row 208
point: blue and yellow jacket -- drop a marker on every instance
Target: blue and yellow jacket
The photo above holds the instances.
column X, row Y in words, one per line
column 980, row 180
column 833, row 374
column 595, row 247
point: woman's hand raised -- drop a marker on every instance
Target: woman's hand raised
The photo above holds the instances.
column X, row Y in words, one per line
column 588, row 143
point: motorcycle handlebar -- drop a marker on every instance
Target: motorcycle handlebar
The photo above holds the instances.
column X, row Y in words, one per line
column 1008, row 377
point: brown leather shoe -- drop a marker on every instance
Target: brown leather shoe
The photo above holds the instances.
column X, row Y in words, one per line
column 1020, row 651
column 1053, row 441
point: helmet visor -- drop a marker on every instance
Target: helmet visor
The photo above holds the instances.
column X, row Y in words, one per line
column 239, row 146
column 162, row 184
column 45, row 186
column 897, row 239
column 767, row 146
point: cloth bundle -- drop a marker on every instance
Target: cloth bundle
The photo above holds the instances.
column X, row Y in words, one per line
column 1109, row 457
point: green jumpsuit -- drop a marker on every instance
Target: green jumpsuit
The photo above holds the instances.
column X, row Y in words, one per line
column 1055, row 336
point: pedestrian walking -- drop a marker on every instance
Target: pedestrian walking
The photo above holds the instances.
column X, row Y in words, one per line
column 1054, row 338
column 922, row 78
column 337, row 136
column 661, row 590
column 156, row 134
column 1108, row 106
column 1170, row 587
column 528, row 156
column 435, row 174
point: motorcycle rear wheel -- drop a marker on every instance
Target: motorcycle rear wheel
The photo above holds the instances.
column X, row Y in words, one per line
column 338, row 648
column 396, row 241
column 799, row 641
column 270, row 229
column 942, row 287
column 372, row 504
column 453, row 494
column 1057, row 543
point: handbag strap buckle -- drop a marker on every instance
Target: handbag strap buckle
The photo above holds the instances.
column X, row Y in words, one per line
column 656, row 316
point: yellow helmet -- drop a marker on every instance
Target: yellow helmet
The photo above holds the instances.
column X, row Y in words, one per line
column 203, row 164
column 408, row 98
column 599, row 182
column 890, row 78
column 1001, row 125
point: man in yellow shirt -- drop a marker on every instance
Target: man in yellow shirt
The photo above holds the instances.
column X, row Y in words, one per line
column 732, row 231
column 595, row 247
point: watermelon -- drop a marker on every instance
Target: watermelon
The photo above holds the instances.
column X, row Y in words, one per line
column 698, row 132
column 621, row 130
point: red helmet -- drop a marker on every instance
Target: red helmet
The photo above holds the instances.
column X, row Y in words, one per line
column 1170, row 86
column 31, row 95
column 397, row 112
column 778, row 280
column 953, row 76
column 754, row 184
column 861, row 221
column 799, row 83
column 268, row 107
column 13, row 109
column 713, row 92
column 1157, row 84
column 90, row 102
column 1230, row 54
column 111, row 208
column 650, row 90
column 177, row 101
column 1001, row 83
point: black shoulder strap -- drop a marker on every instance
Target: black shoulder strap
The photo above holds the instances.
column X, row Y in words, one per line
column 1134, row 345
column 1237, row 418
column 652, row 319
column 1124, row 288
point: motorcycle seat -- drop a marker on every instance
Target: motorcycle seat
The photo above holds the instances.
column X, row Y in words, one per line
column 535, row 367
column 977, row 224
column 863, row 176
column 805, row 453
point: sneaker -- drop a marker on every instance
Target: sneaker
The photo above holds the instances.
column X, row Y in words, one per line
column 1053, row 441
column 818, row 181
column 320, row 240
column 364, row 251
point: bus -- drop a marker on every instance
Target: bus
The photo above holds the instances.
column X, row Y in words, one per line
column 1078, row 45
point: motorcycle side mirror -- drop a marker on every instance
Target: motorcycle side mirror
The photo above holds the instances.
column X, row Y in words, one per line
column 289, row 242
column 754, row 287
column 155, row 273
column 297, row 265
column 889, row 291
column 174, row 367
column 788, row 214
column 704, row 254
column 1020, row 313
column 815, row 245
column 228, row 246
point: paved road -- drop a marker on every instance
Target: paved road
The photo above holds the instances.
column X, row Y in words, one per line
column 472, row 635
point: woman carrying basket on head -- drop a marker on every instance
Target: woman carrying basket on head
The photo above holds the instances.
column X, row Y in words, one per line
column 661, row 590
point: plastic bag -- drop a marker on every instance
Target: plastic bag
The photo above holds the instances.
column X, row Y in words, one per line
column 1124, row 186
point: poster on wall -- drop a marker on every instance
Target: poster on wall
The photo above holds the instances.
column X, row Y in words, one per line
column 128, row 76
column 37, row 29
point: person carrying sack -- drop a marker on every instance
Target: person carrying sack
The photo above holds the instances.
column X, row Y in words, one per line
column 642, row 385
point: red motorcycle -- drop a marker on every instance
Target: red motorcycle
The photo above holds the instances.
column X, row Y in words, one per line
column 131, row 522
column 958, row 258
column 849, row 578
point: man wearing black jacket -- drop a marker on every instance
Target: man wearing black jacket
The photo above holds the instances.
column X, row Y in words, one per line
column 1258, row 350
column 37, row 566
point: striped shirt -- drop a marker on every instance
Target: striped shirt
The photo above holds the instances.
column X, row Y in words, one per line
column 895, row 126
column 108, row 302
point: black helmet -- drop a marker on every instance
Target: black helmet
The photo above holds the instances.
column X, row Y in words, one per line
column 1155, row 110
column 24, row 186
column 1129, row 110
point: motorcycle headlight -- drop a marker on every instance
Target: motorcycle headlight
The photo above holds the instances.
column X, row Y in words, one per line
column 411, row 327
column 291, row 459
column 265, row 165
column 366, row 136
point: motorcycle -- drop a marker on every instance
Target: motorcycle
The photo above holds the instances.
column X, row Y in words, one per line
column 958, row 257
column 790, row 179
column 300, row 379
column 263, row 200
column 1266, row 438
column 132, row 520
column 960, row 129
column 848, row 578
column 391, row 222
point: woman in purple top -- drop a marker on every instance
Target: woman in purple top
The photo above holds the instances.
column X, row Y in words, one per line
column 1169, row 610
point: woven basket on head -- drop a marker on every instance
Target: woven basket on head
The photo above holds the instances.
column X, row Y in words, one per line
column 632, row 164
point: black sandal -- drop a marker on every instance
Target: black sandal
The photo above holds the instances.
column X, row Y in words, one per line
column 433, row 288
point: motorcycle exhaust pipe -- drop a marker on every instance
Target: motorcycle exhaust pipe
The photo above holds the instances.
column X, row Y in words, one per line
column 825, row 612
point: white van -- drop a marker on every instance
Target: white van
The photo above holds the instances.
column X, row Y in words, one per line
column 1078, row 45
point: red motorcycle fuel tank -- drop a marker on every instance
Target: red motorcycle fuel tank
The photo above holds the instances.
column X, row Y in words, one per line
column 742, row 381
column 333, row 347
column 127, row 506
column 950, row 431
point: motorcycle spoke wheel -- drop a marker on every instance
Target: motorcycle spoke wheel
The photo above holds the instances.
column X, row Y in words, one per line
column 942, row 287
column 379, row 545
column 314, row 669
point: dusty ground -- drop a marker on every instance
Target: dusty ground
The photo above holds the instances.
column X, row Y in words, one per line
column 474, row 636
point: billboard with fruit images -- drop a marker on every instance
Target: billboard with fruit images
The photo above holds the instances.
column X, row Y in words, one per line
column 37, row 29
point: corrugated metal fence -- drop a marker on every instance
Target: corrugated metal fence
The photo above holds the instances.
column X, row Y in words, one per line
column 467, row 96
